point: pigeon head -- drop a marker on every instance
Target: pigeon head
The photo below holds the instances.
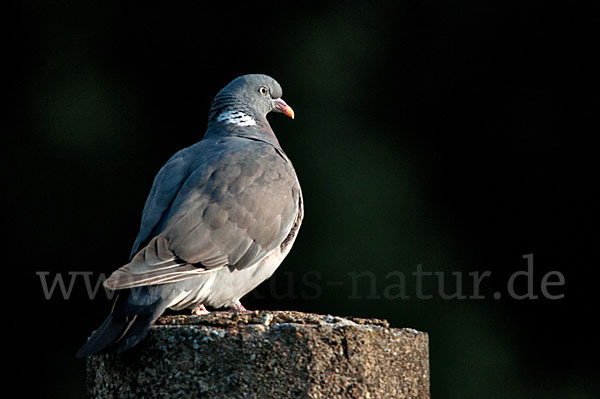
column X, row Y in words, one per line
column 247, row 100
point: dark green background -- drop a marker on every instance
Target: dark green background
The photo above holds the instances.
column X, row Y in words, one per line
column 454, row 135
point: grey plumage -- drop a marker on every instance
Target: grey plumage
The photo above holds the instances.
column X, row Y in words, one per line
column 220, row 217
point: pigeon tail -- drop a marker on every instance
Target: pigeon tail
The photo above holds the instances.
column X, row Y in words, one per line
column 126, row 325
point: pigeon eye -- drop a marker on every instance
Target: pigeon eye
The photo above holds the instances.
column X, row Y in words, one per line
column 263, row 90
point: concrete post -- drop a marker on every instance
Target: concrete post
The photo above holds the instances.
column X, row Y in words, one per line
column 266, row 354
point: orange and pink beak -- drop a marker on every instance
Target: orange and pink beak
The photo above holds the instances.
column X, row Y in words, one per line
column 281, row 106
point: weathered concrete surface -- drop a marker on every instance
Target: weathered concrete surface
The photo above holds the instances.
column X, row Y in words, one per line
column 266, row 354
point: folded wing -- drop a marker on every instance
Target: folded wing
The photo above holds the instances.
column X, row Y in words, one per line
column 222, row 204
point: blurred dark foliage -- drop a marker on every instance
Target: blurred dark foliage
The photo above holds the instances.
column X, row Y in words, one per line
column 458, row 136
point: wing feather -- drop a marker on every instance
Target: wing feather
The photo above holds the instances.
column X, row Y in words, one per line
column 226, row 203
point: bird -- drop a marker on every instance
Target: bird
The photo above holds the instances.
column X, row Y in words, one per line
column 221, row 216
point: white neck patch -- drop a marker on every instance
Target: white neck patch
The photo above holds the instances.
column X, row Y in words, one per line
column 236, row 117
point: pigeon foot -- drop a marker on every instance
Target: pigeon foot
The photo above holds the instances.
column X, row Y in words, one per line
column 200, row 310
column 237, row 307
